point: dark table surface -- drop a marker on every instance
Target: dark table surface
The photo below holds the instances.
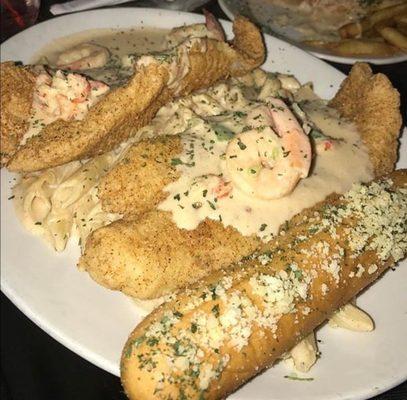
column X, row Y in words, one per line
column 36, row 367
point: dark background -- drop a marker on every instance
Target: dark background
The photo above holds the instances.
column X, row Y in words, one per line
column 36, row 367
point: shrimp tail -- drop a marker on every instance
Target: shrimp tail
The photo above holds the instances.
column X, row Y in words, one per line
column 214, row 26
column 248, row 44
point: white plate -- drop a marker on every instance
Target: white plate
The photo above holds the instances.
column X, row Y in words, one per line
column 261, row 12
column 95, row 322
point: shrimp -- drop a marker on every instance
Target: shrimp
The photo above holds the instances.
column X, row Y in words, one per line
column 66, row 96
column 268, row 161
column 212, row 29
column 84, row 56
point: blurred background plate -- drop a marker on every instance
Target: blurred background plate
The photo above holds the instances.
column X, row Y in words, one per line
column 264, row 14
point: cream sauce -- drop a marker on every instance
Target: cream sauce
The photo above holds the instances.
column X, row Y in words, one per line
column 204, row 189
column 122, row 45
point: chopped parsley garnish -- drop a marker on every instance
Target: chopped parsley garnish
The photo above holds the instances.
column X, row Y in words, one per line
column 222, row 133
column 152, row 341
column 176, row 161
column 316, row 134
column 239, row 114
column 215, row 310
column 297, row 378
column 241, row 145
column 211, row 205
column 194, row 327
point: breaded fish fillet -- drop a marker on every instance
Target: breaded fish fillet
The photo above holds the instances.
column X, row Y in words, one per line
column 214, row 337
column 146, row 256
column 136, row 184
column 124, row 110
column 16, row 88
column 373, row 104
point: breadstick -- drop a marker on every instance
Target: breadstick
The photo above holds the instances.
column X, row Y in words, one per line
column 212, row 338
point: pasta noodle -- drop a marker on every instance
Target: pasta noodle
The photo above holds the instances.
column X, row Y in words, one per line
column 79, row 183
column 62, row 202
column 90, row 216
column 59, row 224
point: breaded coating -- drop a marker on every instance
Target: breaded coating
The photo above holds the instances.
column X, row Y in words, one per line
column 210, row 339
column 374, row 105
column 16, row 88
column 123, row 111
column 149, row 256
column 135, row 184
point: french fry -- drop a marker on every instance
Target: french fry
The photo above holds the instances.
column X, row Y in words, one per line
column 320, row 44
column 394, row 37
column 387, row 13
column 401, row 20
column 356, row 29
column 361, row 47
column 355, row 47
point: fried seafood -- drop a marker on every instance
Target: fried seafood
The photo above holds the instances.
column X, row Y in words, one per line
column 373, row 104
column 212, row 338
column 146, row 256
column 274, row 177
column 194, row 64
column 17, row 89
column 135, row 184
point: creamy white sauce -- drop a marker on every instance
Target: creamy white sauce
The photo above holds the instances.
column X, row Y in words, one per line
column 123, row 45
column 201, row 193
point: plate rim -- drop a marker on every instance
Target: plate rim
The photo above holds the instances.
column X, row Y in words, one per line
column 72, row 344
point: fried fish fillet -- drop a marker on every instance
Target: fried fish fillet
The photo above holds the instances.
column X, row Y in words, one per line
column 146, row 256
column 373, row 104
column 131, row 189
column 124, row 110
column 210, row 339
column 17, row 88
column 135, row 184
